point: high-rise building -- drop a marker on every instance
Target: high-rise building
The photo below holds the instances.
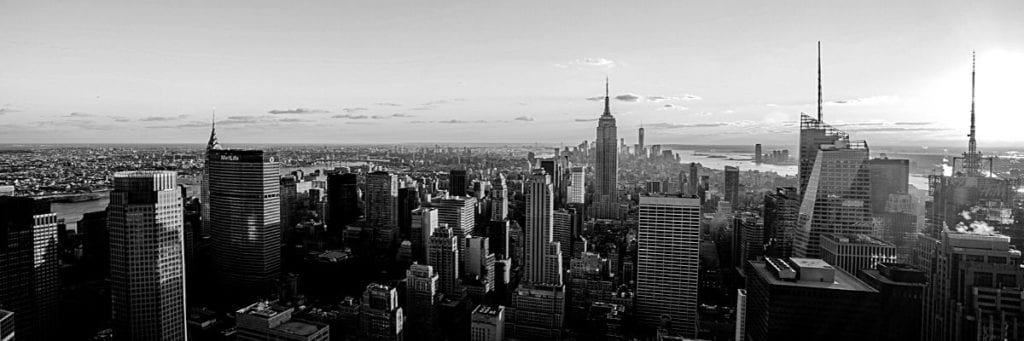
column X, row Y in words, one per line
column 457, row 182
column 654, row 187
column 732, row 185
column 264, row 321
column 667, row 264
column 539, row 230
column 421, row 285
column 758, row 154
column 29, row 282
column 408, row 200
column 781, row 210
column 488, row 323
column 537, row 312
column 212, row 144
column 807, row 299
column 577, row 185
column 423, row 223
column 741, row 313
column 443, row 256
column 147, row 259
column 640, row 142
column 694, row 181
column 562, row 232
column 342, row 200
column 975, row 292
column 7, row 327
column 838, row 196
column 479, row 263
column 814, row 133
column 900, row 289
column 457, row 212
column 245, row 224
column 606, row 163
column 888, row 176
column 382, row 208
column 499, row 196
column 380, row 318
column 855, row 252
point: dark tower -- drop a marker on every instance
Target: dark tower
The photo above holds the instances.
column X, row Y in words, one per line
column 972, row 159
column 819, row 81
column 606, row 161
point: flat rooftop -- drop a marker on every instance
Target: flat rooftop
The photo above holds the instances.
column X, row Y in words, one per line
column 852, row 238
column 841, row 281
column 299, row 328
column 488, row 310
column 262, row 309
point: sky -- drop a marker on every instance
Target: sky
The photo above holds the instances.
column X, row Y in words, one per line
column 716, row 72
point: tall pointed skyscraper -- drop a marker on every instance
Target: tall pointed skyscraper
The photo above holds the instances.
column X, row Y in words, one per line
column 814, row 133
column 606, row 162
column 213, row 144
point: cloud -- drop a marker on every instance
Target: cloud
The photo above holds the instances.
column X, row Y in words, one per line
column 772, row 105
column 119, row 118
column 79, row 114
column 292, row 120
column 7, row 110
column 297, row 111
column 78, row 124
column 673, row 107
column 688, row 125
column 160, row 118
column 361, row 123
column 387, row 104
column 628, row 97
column 873, row 100
column 379, row 117
column 684, row 98
column 524, row 118
column 402, row 115
column 911, row 123
column 591, row 62
column 595, row 98
column 456, row 121
column 351, row 117
column 888, row 127
column 586, row 119
column 355, row 109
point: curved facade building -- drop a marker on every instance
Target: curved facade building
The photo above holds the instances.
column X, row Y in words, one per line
column 245, row 221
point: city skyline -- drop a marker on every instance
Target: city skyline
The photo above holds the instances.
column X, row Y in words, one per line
column 336, row 73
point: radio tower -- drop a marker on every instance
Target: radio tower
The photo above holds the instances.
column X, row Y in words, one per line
column 972, row 159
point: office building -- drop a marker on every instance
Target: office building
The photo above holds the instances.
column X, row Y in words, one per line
column 488, row 323
column 443, row 256
column 421, row 285
column 147, row 259
column 813, row 134
column 855, row 252
column 732, row 185
column 537, row 312
column 204, row 194
column 976, row 289
column 653, row 187
column 380, row 317
column 606, row 163
column 245, row 226
column 563, row 229
column 29, row 282
column 382, row 208
column 499, row 197
column 479, row 263
column 888, row 177
column 423, row 223
column 741, row 311
column 577, row 185
column 7, row 327
column 694, row 179
column 457, row 182
column 457, row 212
column 900, row 289
column 667, row 264
column 408, row 200
column 838, row 196
column 781, row 209
column 540, row 232
column 807, row 299
column 758, row 156
column 266, row 321
column 342, row 200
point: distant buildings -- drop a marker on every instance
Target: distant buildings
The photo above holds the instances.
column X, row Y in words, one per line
column 245, row 224
column 265, row 321
column 667, row 264
column 488, row 323
column 29, row 282
column 838, row 196
column 147, row 271
column 807, row 299
column 732, row 185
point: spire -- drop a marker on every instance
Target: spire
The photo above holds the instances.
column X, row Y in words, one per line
column 213, row 143
column 972, row 159
column 607, row 107
column 819, row 81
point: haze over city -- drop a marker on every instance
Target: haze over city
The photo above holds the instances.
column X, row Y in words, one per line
column 462, row 71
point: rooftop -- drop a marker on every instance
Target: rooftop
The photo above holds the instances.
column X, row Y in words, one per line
column 299, row 328
column 840, row 281
column 849, row 238
column 492, row 311
column 262, row 309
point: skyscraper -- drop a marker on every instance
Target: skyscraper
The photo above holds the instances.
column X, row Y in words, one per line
column 457, row 212
column 539, row 228
column 421, row 296
column 606, row 163
column 758, row 154
column 380, row 318
column 732, row 185
column 424, row 222
column 499, row 196
column 640, row 142
column 29, row 282
column 212, row 144
column 838, row 197
column 479, row 263
column 342, row 200
column 694, row 180
column 667, row 264
column 888, row 176
column 972, row 158
column 444, row 258
column 577, row 185
column 147, row 268
column 382, row 207
column 488, row 323
column 245, row 224
column 457, row 182
column 7, row 327
column 269, row 321
column 814, row 133
column 781, row 210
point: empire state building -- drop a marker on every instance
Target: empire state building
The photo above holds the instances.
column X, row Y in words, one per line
column 606, row 163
